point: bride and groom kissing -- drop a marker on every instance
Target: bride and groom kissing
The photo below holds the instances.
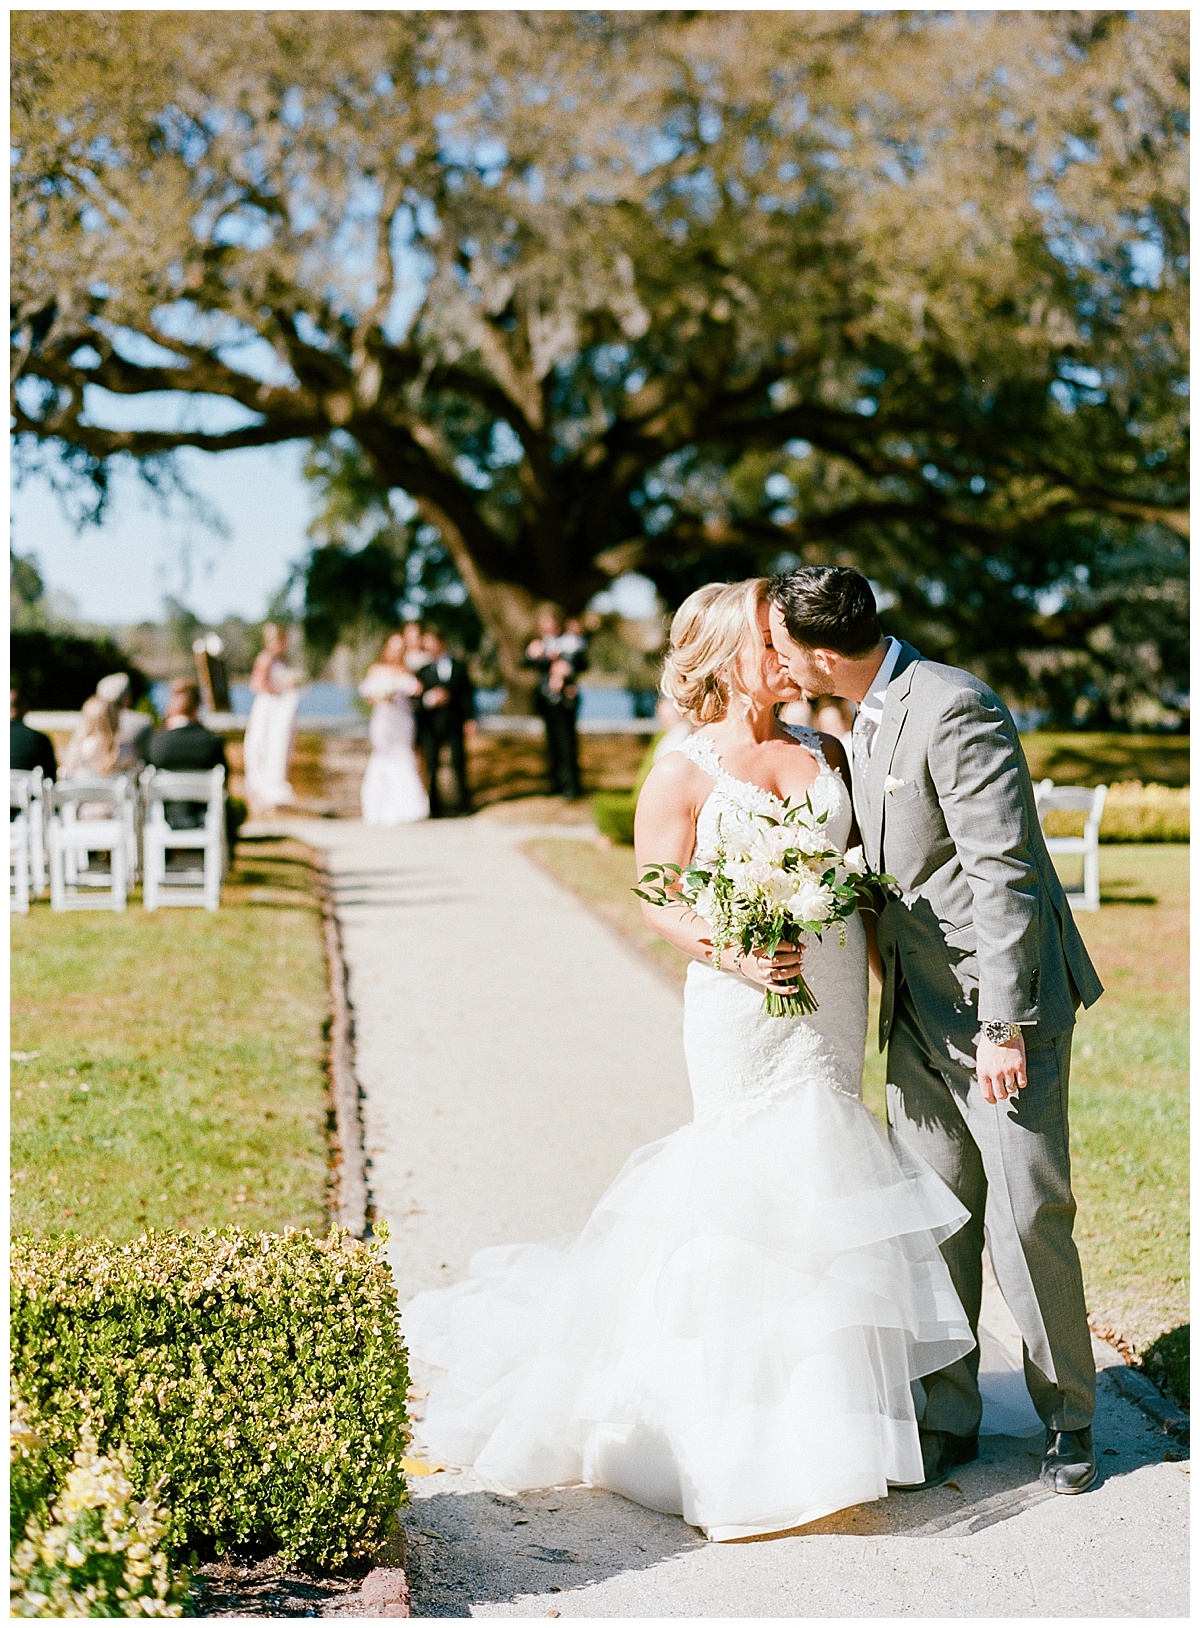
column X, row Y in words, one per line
column 736, row 1334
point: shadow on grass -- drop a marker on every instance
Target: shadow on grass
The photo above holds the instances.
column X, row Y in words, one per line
column 1168, row 1362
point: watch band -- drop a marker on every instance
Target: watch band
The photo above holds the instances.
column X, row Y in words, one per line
column 1001, row 1033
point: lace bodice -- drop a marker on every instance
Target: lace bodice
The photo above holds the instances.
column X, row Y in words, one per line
column 739, row 1060
column 731, row 796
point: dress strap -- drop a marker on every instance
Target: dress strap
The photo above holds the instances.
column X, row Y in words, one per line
column 810, row 740
column 703, row 754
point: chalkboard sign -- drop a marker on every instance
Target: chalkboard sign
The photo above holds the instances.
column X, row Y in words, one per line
column 210, row 670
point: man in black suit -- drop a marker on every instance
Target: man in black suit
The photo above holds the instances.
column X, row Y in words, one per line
column 445, row 713
column 184, row 745
column 559, row 656
column 27, row 748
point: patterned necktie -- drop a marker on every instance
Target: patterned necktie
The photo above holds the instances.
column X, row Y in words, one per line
column 860, row 744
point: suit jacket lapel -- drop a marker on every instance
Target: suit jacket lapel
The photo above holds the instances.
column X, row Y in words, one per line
column 895, row 711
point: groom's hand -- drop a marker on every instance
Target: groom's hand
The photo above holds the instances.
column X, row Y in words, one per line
column 1001, row 1069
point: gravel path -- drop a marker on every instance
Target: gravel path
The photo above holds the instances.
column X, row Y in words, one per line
column 512, row 1052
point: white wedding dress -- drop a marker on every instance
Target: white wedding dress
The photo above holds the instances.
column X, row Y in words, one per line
column 734, row 1335
column 267, row 743
column 393, row 792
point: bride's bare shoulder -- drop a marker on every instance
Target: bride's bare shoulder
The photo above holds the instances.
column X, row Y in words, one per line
column 674, row 778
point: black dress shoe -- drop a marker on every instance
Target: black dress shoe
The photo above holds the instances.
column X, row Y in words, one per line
column 1070, row 1461
column 941, row 1453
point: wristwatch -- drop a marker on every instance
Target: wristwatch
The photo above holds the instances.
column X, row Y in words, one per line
column 1001, row 1033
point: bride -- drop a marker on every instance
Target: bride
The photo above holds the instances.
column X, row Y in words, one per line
column 393, row 792
column 734, row 1335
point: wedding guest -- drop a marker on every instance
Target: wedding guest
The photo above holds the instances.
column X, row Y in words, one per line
column 558, row 657
column 392, row 790
column 573, row 641
column 27, row 748
column 445, row 716
column 94, row 748
column 271, row 727
column 133, row 728
column 184, row 745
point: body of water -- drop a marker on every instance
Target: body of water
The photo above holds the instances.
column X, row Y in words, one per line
column 323, row 700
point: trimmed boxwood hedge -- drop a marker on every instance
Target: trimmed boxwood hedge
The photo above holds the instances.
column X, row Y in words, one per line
column 257, row 1379
column 612, row 813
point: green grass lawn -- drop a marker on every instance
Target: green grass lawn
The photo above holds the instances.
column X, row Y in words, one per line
column 1129, row 1102
column 1093, row 759
column 168, row 1069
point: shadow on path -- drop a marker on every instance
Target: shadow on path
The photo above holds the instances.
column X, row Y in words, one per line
column 471, row 1548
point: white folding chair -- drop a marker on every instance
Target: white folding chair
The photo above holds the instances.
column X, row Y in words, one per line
column 1086, row 800
column 20, row 837
column 162, row 887
column 88, row 816
column 39, row 815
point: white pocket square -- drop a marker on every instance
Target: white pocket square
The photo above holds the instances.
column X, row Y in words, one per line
column 892, row 784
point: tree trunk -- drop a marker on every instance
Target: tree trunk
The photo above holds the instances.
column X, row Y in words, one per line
column 507, row 610
column 509, row 613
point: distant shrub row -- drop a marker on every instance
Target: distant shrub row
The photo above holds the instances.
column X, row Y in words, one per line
column 1133, row 813
column 254, row 1384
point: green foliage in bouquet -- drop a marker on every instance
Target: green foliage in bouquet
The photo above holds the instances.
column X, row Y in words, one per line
column 258, row 1381
column 97, row 1551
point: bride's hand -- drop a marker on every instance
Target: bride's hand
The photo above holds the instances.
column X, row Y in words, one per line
column 777, row 972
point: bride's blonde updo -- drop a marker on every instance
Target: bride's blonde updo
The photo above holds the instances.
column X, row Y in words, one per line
column 713, row 632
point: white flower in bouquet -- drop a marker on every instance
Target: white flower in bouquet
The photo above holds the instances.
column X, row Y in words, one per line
column 773, row 841
column 855, row 861
column 811, row 901
column 704, row 903
column 807, row 837
column 760, row 878
column 739, row 833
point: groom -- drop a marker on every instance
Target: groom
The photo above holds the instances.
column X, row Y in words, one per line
column 984, row 970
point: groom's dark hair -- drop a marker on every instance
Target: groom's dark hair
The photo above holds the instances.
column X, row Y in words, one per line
column 827, row 607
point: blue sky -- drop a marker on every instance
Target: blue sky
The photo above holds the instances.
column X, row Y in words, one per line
column 120, row 571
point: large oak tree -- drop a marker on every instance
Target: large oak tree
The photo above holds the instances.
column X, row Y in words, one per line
column 675, row 292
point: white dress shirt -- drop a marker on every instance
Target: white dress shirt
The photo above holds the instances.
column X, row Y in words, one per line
column 870, row 710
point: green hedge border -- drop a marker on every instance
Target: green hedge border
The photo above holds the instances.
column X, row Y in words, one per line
column 258, row 1381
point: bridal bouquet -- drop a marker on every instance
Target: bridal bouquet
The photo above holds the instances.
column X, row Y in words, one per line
column 382, row 683
column 771, row 880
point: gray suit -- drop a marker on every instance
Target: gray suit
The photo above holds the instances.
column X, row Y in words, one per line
column 980, row 930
